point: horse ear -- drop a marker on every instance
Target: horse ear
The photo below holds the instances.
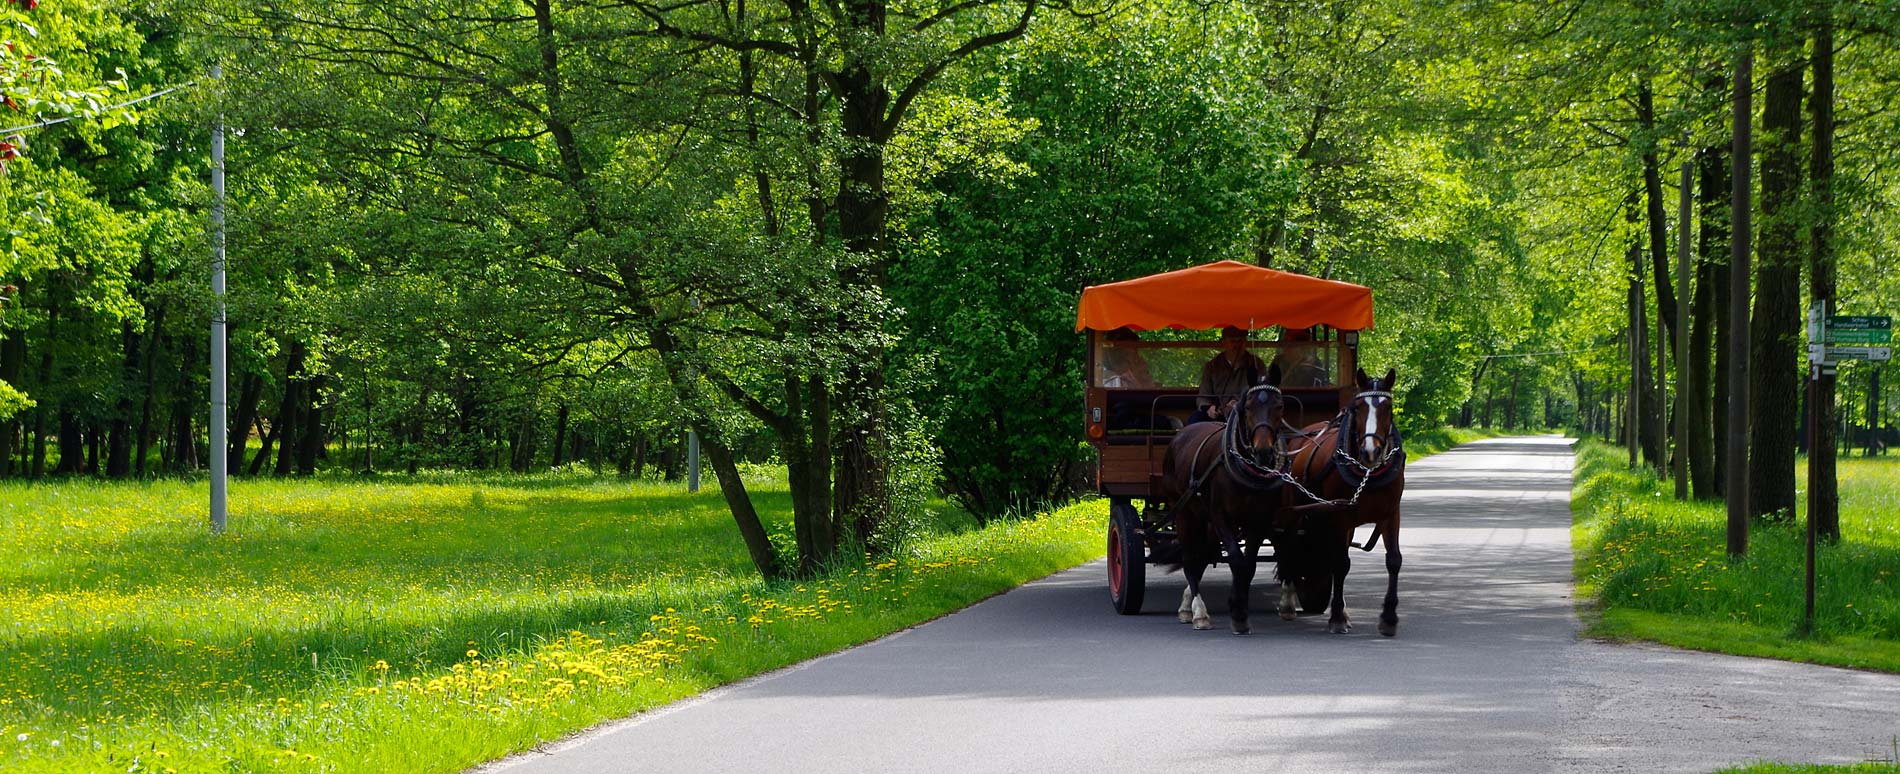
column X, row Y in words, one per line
column 1359, row 374
column 1391, row 377
column 1274, row 375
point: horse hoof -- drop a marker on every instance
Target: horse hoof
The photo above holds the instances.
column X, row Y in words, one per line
column 1184, row 617
column 1288, row 614
column 1339, row 627
column 1389, row 628
column 1204, row 624
column 1242, row 629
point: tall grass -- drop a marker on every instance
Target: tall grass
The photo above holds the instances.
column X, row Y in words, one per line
column 1658, row 568
column 419, row 625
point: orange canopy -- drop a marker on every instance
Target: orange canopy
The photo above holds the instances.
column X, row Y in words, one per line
column 1225, row 293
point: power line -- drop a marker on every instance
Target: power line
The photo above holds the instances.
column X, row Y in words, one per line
column 125, row 104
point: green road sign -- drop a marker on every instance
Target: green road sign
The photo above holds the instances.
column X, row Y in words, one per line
column 1859, row 329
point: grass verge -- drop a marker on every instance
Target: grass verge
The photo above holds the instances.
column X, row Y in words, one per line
column 421, row 625
column 1657, row 568
column 1787, row 768
column 1427, row 443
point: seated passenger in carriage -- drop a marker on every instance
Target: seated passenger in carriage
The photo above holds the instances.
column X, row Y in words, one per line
column 1122, row 364
column 1227, row 376
column 1123, row 367
column 1299, row 363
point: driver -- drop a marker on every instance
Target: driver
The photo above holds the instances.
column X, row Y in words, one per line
column 1227, row 376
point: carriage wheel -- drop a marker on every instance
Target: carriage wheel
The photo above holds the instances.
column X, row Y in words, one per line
column 1127, row 561
column 1316, row 592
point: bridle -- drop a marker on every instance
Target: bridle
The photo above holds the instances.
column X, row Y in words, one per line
column 1346, row 457
column 1346, row 416
column 1356, row 474
column 1238, row 443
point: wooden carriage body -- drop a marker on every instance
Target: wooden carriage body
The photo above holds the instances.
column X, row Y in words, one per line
column 1169, row 322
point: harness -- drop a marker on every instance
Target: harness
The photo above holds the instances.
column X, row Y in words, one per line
column 1241, row 467
column 1350, row 470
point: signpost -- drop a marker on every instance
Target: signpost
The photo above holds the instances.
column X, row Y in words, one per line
column 1832, row 339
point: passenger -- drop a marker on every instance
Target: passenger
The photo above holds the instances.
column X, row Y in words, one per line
column 1122, row 364
column 1227, row 376
column 1299, row 363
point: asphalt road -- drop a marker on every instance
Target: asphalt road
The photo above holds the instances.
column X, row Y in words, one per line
column 1487, row 674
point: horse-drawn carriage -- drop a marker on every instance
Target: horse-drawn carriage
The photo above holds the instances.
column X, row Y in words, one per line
column 1150, row 356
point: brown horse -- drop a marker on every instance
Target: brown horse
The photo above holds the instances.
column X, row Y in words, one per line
column 1356, row 462
column 1221, row 481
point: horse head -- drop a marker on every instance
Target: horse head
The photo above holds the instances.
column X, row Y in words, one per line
column 1263, row 411
column 1371, row 433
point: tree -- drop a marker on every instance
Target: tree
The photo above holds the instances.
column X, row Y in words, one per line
column 1094, row 153
column 1774, row 395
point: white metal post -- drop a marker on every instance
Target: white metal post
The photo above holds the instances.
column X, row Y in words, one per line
column 220, row 399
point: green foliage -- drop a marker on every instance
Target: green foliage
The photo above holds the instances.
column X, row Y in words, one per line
column 12, row 401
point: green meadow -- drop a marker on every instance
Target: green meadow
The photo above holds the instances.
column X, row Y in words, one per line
column 1658, row 569
column 421, row 624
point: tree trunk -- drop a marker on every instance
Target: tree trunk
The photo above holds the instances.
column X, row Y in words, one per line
column 289, row 412
column 310, row 445
column 1775, row 391
column 1490, row 399
column 250, row 395
column 751, row 529
column 149, row 401
column 1641, row 402
column 1873, row 411
column 807, row 457
column 269, row 439
column 1709, row 347
column 1477, row 380
column 72, row 446
column 1510, row 403
column 861, row 497
column 12, row 368
column 1741, row 124
column 1701, row 436
column 1823, row 490
column 560, row 434
column 1658, row 228
column 46, row 382
column 119, row 445
column 93, row 438
column 184, row 446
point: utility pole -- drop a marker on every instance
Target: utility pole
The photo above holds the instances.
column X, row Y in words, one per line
column 220, row 398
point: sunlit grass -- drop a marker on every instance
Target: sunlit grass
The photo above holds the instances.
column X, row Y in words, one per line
column 1429, row 442
column 419, row 625
column 1784, row 768
column 1658, row 568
